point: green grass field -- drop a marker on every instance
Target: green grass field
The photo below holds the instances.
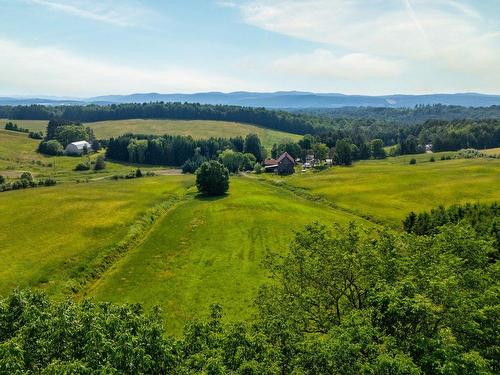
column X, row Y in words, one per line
column 198, row 129
column 198, row 251
column 387, row 190
column 210, row 250
column 18, row 153
column 48, row 233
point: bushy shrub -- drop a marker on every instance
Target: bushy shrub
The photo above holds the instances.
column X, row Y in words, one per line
column 51, row 147
column 26, row 176
column 99, row 163
column 432, row 159
column 138, row 173
column 35, row 135
column 83, row 166
column 413, row 161
column 2, row 179
column 192, row 164
column 258, row 168
column 212, row 178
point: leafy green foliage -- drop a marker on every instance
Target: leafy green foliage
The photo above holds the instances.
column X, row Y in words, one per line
column 51, row 147
column 100, row 164
column 212, row 178
column 343, row 303
column 483, row 217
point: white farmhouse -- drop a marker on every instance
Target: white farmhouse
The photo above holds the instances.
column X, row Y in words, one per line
column 77, row 148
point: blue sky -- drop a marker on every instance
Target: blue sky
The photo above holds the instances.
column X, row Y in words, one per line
column 85, row 48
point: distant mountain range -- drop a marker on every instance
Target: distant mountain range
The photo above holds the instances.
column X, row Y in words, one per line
column 281, row 99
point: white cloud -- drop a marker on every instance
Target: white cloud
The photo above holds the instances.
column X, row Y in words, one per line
column 48, row 70
column 446, row 35
column 353, row 66
column 121, row 13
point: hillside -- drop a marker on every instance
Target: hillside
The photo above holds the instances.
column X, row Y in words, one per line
column 153, row 241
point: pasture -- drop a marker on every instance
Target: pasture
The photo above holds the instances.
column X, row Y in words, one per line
column 198, row 129
column 387, row 190
column 211, row 250
column 18, row 153
column 50, row 234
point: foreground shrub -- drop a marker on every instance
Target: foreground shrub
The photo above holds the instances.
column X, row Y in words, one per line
column 341, row 302
column 212, row 178
column 413, row 161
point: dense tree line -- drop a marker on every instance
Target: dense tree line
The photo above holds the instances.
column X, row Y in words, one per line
column 176, row 150
column 416, row 115
column 443, row 135
column 469, row 127
column 343, row 303
column 484, row 218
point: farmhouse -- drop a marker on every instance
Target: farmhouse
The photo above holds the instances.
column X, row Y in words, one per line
column 77, row 148
column 283, row 165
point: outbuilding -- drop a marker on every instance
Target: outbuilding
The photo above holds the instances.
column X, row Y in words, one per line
column 77, row 148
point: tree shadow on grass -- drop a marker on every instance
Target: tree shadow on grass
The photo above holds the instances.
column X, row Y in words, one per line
column 204, row 197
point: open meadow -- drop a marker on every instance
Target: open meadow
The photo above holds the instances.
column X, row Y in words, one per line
column 211, row 249
column 154, row 241
column 51, row 234
column 198, row 129
column 18, row 154
column 387, row 190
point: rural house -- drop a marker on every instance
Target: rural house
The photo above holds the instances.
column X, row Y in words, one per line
column 284, row 164
column 77, row 148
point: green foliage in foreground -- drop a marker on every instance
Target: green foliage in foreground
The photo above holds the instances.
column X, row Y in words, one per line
column 485, row 218
column 345, row 304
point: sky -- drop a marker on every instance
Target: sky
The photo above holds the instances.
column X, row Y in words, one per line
column 77, row 48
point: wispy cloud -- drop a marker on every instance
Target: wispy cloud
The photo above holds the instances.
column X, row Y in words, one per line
column 50, row 70
column 121, row 13
column 324, row 64
column 447, row 35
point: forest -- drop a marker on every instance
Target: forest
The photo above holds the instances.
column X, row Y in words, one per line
column 416, row 115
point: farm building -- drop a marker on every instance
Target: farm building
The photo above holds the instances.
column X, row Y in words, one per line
column 77, row 148
column 283, row 165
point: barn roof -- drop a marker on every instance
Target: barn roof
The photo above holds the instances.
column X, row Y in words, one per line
column 80, row 144
column 285, row 155
column 270, row 162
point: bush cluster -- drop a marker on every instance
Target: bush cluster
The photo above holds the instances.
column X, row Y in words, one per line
column 25, row 181
column 133, row 174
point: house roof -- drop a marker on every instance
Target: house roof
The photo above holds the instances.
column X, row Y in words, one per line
column 285, row 155
column 80, row 144
column 270, row 162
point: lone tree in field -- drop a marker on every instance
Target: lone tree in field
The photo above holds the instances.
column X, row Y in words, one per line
column 212, row 178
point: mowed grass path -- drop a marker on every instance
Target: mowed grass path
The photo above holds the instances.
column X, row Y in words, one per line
column 388, row 190
column 46, row 234
column 198, row 129
column 210, row 251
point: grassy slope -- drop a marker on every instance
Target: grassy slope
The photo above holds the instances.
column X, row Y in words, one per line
column 196, row 128
column 387, row 190
column 210, row 250
column 18, row 153
column 48, row 233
